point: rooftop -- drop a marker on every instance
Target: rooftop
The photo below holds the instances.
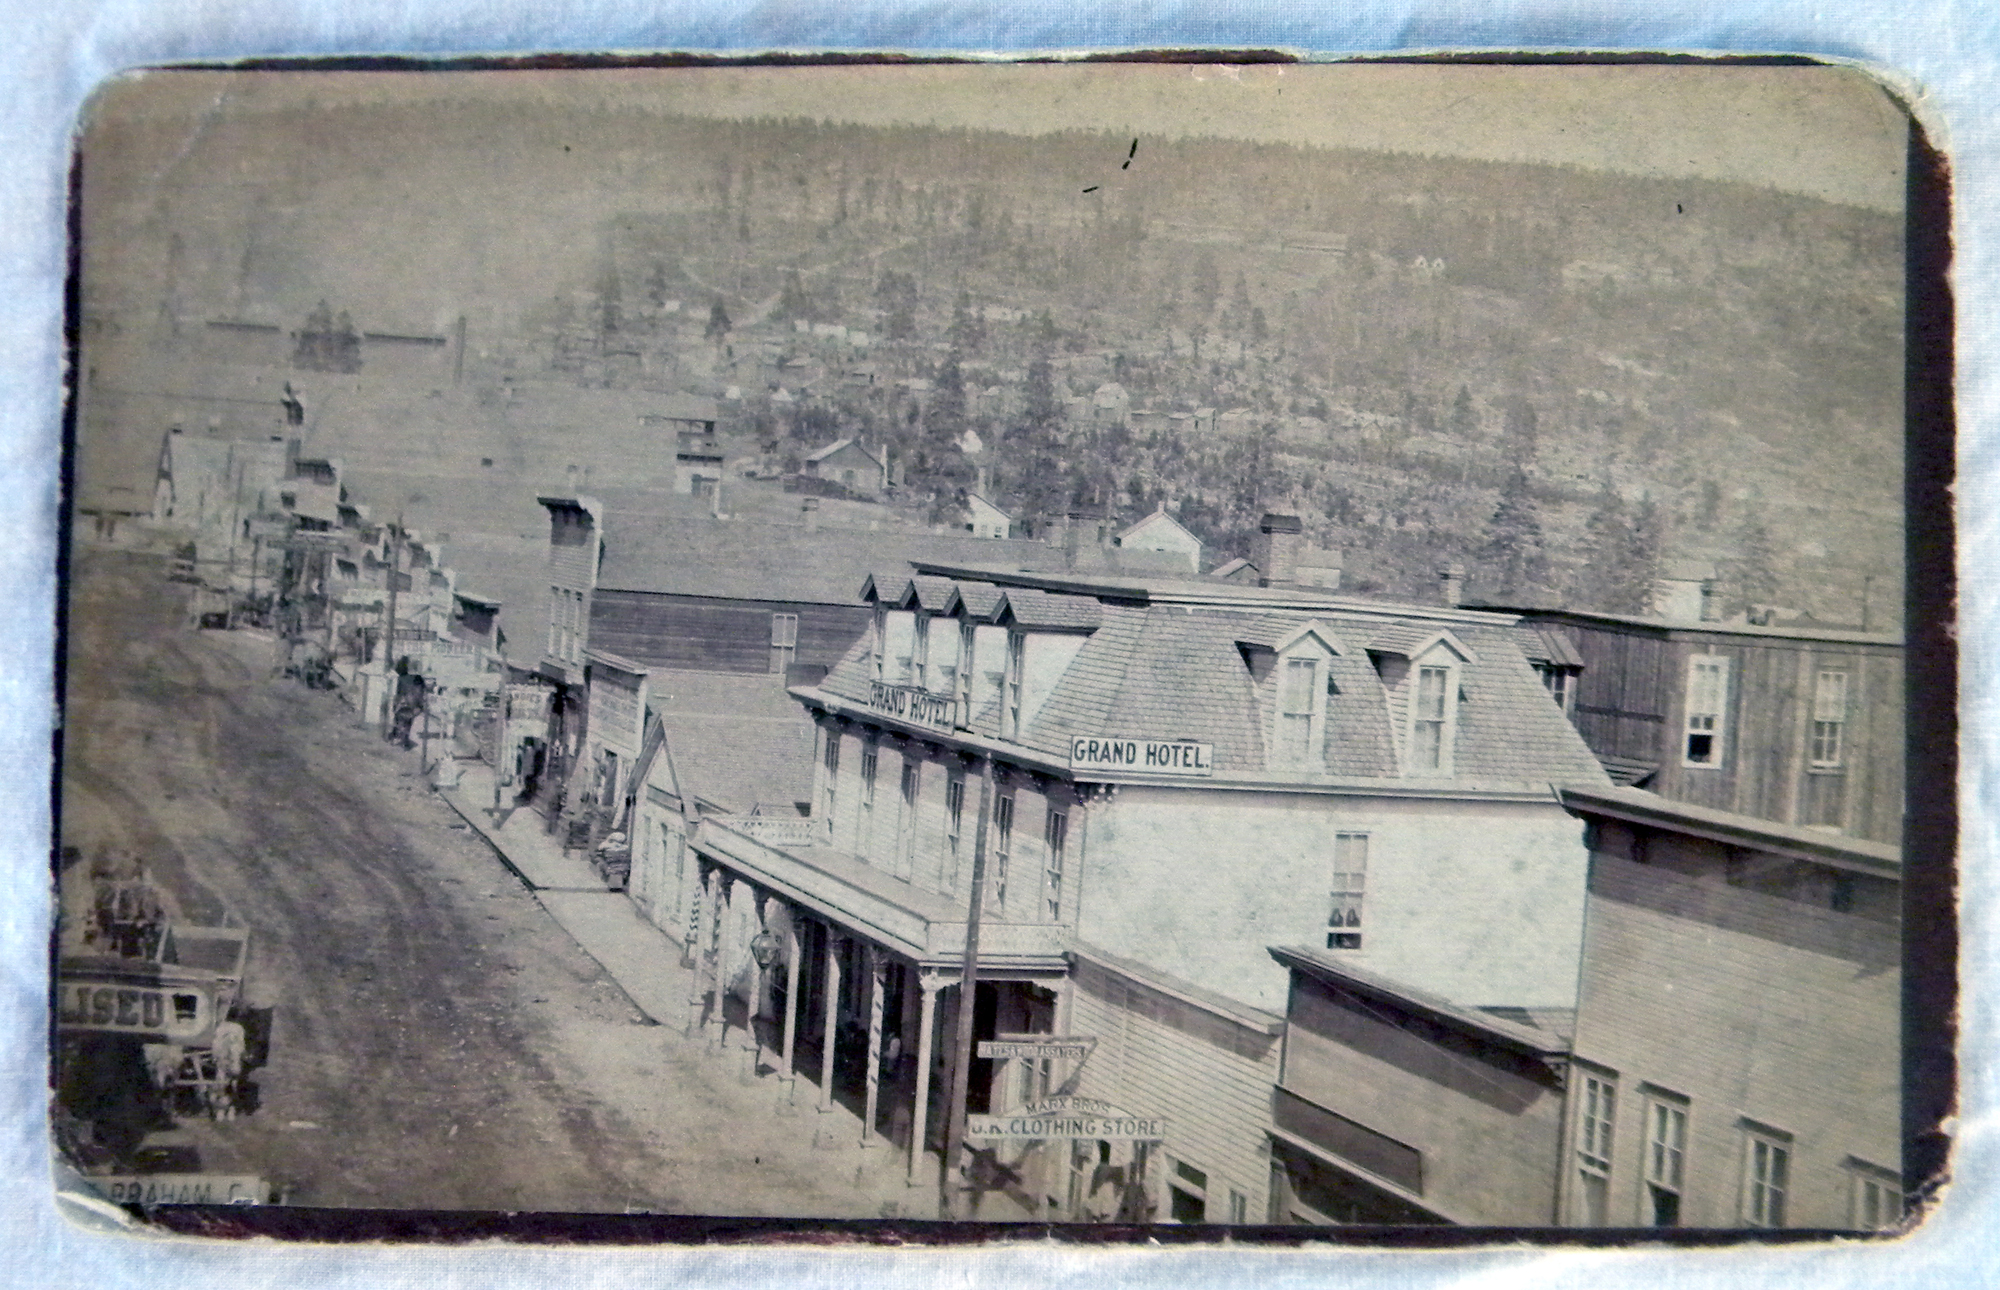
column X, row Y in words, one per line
column 1539, row 1032
column 1807, row 632
column 735, row 741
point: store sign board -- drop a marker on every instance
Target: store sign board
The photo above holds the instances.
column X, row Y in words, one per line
column 914, row 704
column 1179, row 757
column 176, row 1014
column 1037, row 1047
column 1084, row 1118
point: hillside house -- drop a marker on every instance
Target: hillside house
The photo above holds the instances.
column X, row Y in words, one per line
column 985, row 520
column 849, row 463
column 1162, row 532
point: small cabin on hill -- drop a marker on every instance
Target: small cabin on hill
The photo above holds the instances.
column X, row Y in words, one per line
column 850, row 464
column 1162, row 532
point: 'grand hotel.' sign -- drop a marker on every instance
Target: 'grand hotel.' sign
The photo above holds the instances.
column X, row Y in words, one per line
column 914, row 704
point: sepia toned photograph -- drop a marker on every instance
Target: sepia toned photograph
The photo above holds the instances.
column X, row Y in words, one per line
column 1246, row 646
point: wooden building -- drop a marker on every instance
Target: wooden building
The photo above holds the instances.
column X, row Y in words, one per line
column 1799, row 725
column 1152, row 771
column 849, row 463
column 1732, row 1059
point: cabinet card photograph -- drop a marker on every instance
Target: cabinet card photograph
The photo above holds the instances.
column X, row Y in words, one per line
column 1252, row 646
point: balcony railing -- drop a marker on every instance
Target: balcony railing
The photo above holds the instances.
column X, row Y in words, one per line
column 779, row 830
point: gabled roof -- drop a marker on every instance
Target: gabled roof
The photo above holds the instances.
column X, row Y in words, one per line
column 1156, row 520
column 838, row 444
column 735, row 740
column 1278, row 632
column 1408, row 640
column 974, row 499
column 1045, row 611
column 981, row 600
column 1547, row 644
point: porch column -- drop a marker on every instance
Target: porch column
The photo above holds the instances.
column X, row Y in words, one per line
column 792, row 1001
column 697, row 946
column 920, row 1111
column 753, row 999
column 831, row 1032
column 876, row 970
column 725, row 952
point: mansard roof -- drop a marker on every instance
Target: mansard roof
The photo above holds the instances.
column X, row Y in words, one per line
column 1178, row 671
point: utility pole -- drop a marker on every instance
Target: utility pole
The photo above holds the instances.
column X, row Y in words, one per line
column 968, row 993
column 389, row 627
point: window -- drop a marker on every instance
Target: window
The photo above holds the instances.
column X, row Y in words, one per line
column 832, row 756
column 1350, row 873
column 1055, row 835
column 1016, row 663
column 1877, row 1199
column 1829, row 718
column 1428, row 744
column 1239, row 1206
column 1707, row 694
column 906, row 822
column 918, row 673
column 944, row 661
column 864, row 839
column 1767, row 1163
column 881, row 635
column 784, row 641
column 1597, row 1105
column 954, row 818
column 965, row 641
column 1187, row 1189
column 1666, row 1154
column 1561, row 683
column 1003, row 845
column 1298, row 710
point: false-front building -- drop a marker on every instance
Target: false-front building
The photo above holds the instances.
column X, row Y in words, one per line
column 1158, row 779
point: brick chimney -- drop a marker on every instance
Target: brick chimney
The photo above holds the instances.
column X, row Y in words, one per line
column 1275, row 551
column 1451, row 585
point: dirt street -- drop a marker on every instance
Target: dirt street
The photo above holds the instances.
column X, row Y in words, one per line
column 438, row 1041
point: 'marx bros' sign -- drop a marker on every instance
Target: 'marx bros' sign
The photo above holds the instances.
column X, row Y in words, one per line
column 1142, row 756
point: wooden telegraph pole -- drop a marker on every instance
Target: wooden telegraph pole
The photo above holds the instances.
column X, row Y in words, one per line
column 968, row 992
column 389, row 628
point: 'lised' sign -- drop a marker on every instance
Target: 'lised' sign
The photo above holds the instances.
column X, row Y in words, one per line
column 176, row 1014
column 1067, row 1117
column 914, row 704
column 1142, row 756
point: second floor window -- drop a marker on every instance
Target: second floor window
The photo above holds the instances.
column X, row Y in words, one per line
column 1666, row 1152
column 1707, row 696
column 1596, row 1108
column 1829, row 718
column 954, row 826
column 1003, row 846
column 906, row 838
column 1767, row 1166
column 1350, row 875
column 784, row 641
column 869, row 761
column 1055, row 838
column 832, row 761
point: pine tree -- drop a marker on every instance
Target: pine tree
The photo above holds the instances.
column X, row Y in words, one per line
column 968, row 329
column 1756, row 568
column 1039, row 399
column 1513, row 558
column 1464, row 421
column 718, row 322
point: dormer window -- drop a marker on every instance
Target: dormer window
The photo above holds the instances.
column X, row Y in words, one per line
column 1298, row 710
column 920, row 649
column 1430, row 720
column 1017, row 648
column 1421, row 670
column 1296, row 662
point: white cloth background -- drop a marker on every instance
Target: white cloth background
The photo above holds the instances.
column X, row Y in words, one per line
column 1946, row 53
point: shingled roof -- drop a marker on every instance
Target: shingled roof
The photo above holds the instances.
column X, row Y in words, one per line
column 736, row 741
column 1174, row 671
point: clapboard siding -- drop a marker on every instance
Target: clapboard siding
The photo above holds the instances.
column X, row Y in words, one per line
column 1209, row 1076
column 706, row 633
column 1631, row 703
column 1753, row 1007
